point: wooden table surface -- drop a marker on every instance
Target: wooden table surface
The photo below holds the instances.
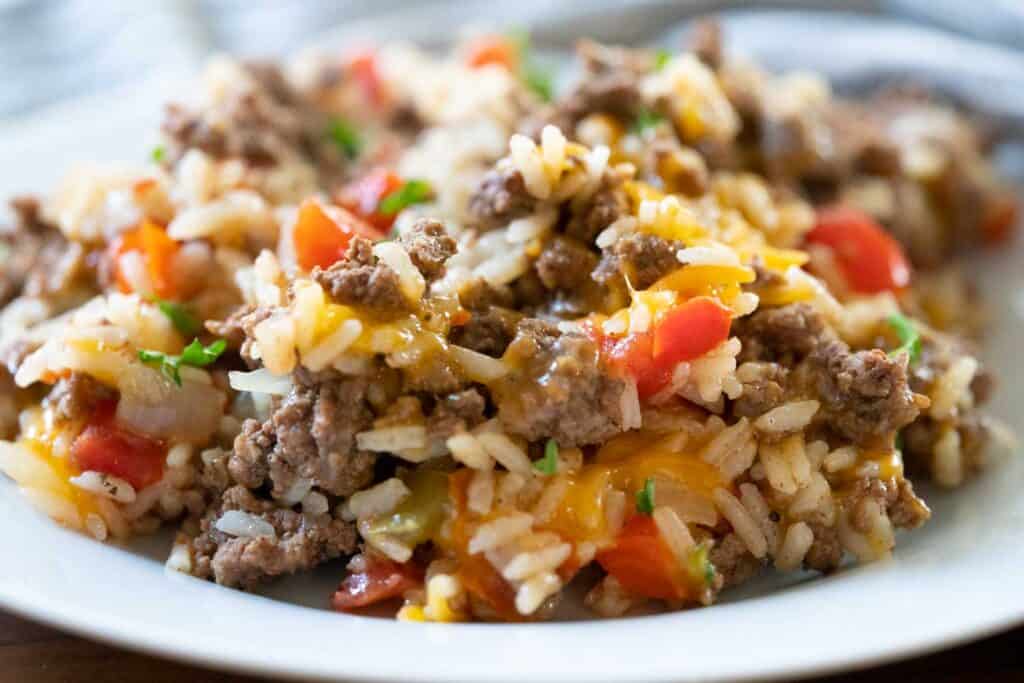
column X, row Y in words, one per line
column 31, row 653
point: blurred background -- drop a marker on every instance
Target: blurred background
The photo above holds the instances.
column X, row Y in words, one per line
column 54, row 50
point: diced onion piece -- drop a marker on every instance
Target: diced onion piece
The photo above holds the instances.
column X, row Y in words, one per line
column 261, row 381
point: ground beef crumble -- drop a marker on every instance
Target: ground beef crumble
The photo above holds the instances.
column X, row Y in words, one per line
column 561, row 390
column 429, row 246
column 310, row 436
column 642, row 258
column 564, row 264
column 501, row 197
column 302, row 541
column 37, row 260
column 360, row 279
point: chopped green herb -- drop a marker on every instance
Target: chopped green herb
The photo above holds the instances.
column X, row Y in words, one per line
column 549, row 463
column 661, row 58
column 159, row 153
column 645, row 498
column 531, row 73
column 195, row 355
column 180, row 317
column 344, row 135
column 898, row 442
column 411, row 192
column 645, row 120
column 910, row 338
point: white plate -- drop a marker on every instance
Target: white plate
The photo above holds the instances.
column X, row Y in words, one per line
column 958, row 578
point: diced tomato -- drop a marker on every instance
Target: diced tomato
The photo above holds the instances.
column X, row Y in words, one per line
column 363, row 68
column 999, row 219
column 363, row 197
column 492, row 49
column 634, row 354
column 871, row 260
column 643, row 563
column 322, row 234
column 686, row 332
column 158, row 252
column 691, row 330
column 381, row 580
column 104, row 446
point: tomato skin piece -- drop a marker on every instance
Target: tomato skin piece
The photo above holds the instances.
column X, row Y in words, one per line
column 634, row 355
column 871, row 260
column 686, row 332
column 642, row 562
column 363, row 197
column 492, row 49
column 322, row 234
column 690, row 330
column 362, row 66
column 104, row 446
column 158, row 252
column 382, row 580
column 999, row 220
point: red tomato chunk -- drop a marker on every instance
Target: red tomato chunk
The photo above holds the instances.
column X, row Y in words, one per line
column 870, row 259
column 104, row 446
column 382, row 580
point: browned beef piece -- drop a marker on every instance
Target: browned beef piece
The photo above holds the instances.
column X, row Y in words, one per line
column 429, row 246
column 310, row 435
column 865, row 394
column 732, row 561
column 8, row 406
column 360, row 279
column 237, row 329
column 261, row 126
column 766, row 391
column 456, row 412
column 642, row 258
column 35, row 259
column 500, row 198
column 605, row 207
column 492, row 323
column 826, row 551
column 560, row 390
column 564, row 264
column 897, row 499
column 675, row 168
column 705, row 41
column 75, row 397
column 610, row 84
column 784, row 334
column 301, row 542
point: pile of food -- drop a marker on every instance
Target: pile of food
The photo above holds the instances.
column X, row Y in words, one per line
column 682, row 322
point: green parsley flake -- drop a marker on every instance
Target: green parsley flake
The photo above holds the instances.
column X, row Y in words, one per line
column 549, row 463
column 344, row 135
column 158, row 154
column 645, row 120
column 195, row 355
column 910, row 338
column 180, row 317
column 531, row 73
column 411, row 192
column 645, row 498
column 661, row 58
